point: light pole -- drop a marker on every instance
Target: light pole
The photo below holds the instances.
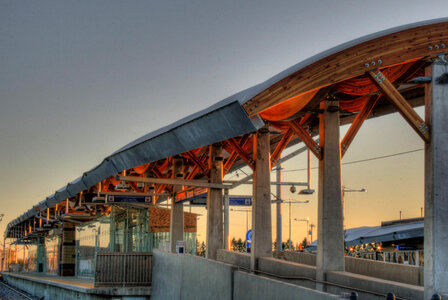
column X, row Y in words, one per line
column 307, row 220
column 348, row 190
column 279, row 209
column 311, row 232
column 290, row 202
column 278, row 200
column 3, row 266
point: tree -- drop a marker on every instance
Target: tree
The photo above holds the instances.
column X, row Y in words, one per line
column 233, row 245
column 238, row 245
column 200, row 250
column 286, row 246
column 304, row 243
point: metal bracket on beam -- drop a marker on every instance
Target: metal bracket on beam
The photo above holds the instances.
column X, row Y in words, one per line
column 420, row 79
column 443, row 79
column 423, row 128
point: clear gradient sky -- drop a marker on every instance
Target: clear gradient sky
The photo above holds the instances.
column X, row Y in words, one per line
column 80, row 79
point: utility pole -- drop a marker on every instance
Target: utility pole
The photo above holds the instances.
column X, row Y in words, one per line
column 3, row 262
column 279, row 208
column 226, row 220
column 290, row 224
column 311, row 232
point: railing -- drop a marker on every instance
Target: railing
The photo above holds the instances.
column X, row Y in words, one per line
column 123, row 269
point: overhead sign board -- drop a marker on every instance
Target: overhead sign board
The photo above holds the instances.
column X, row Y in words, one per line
column 406, row 247
column 240, row 200
column 128, row 199
column 198, row 196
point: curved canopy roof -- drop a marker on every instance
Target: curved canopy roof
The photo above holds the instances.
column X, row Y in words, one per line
column 381, row 234
column 399, row 53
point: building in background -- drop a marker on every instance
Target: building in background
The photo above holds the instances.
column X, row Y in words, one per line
column 70, row 248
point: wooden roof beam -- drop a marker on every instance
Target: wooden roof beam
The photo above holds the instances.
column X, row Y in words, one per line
column 306, row 138
column 281, row 146
column 174, row 181
column 197, row 161
column 196, row 168
column 135, row 187
column 234, row 154
column 403, row 107
column 357, row 123
column 235, row 145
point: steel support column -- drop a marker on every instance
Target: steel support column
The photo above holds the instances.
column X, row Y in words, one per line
column 436, row 182
column 261, row 206
column 177, row 209
column 330, row 247
column 215, row 234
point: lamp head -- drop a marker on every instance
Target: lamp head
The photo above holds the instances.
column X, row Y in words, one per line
column 292, row 189
column 306, row 192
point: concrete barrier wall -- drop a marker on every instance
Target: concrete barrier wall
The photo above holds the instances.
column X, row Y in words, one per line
column 234, row 258
column 381, row 286
column 301, row 257
column 378, row 269
column 183, row 276
column 248, row 287
column 362, row 274
column 288, row 269
column 389, row 271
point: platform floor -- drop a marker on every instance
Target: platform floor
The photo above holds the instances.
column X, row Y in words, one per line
column 83, row 285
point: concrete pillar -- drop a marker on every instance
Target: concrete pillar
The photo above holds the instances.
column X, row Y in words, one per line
column 177, row 209
column 215, row 232
column 330, row 247
column 436, row 183
column 68, row 253
column 261, row 206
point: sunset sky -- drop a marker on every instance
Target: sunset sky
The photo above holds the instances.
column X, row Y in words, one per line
column 80, row 79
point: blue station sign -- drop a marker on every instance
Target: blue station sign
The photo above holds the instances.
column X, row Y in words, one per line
column 240, row 200
column 128, row 199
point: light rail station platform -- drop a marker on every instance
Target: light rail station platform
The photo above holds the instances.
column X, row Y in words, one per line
column 57, row 287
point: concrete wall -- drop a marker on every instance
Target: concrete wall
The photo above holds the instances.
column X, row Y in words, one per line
column 371, row 275
column 234, row 258
column 381, row 286
column 191, row 277
column 287, row 269
column 378, row 269
column 389, row 271
column 301, row 257
column 183, row 276
column 248, row 287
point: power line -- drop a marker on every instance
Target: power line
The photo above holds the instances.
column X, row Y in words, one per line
column 363, row 160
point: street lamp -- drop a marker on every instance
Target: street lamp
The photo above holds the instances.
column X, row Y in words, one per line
column 278, row 200
column 348, row 190
column 311, row 232
column 307, row 220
